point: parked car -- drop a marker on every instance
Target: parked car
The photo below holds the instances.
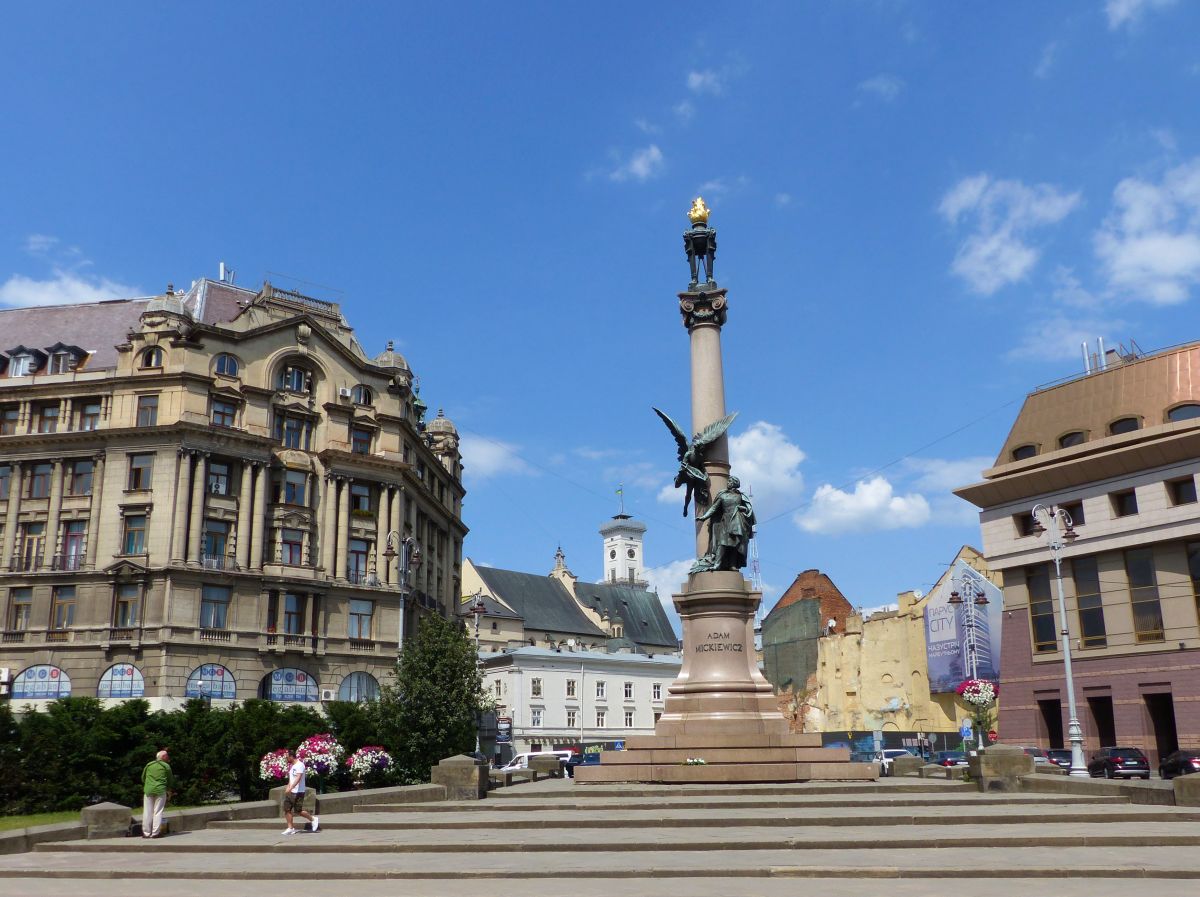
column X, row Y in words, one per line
column 521, row 761
column 950, row 758
column 1059, row 757
column 592, row 759
column 1180, row 763
column 1119, row 763
column 1040, row 758
column 885, row 757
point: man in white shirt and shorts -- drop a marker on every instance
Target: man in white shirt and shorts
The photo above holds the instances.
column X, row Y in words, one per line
column 293, row 797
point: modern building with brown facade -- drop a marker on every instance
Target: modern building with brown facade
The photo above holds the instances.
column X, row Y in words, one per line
column 1119, row 449
column 196, row 492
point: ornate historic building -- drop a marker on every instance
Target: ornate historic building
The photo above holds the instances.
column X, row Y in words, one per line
column 1119, row 449
column 196, row 492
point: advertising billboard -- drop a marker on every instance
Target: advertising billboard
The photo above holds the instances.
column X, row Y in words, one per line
column 961, row 636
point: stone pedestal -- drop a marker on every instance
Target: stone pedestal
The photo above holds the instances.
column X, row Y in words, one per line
column 107, row 820
column 463, row 777
column 1000, row 767
column 721, row 710
column 907, row 766
column 1187, row 790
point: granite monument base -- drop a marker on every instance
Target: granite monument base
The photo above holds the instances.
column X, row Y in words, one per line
column 720, row 722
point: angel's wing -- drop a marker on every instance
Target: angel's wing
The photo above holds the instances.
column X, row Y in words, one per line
column 680, row 437
column 714, row 430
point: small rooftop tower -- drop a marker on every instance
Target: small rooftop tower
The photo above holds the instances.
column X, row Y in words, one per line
column 623, row 557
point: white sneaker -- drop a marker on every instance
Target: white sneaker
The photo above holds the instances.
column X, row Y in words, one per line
column 316, row 823
column 288, row 831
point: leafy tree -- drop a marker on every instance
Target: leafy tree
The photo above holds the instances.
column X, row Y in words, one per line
column 429, row 712
column 10, row 758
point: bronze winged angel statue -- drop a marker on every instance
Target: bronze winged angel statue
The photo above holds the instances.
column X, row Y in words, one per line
column 692, row 475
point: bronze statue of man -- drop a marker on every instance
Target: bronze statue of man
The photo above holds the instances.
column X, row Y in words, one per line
column 730, row 528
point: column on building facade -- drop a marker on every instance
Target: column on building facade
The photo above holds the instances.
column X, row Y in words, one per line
column 381, row 530
column 183, row 487
column 343, row 542
column 93, row 531
column 328, row 537
column 395, row 526
column 16, row 487
column 243, row 518
column 65, row 409
column 196, row 518
column 259, row 515
column 53, row 514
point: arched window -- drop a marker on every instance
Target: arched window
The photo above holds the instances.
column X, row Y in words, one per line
column 1184, row 412
column 289, row 685
column 211, row 681
column 295, row 378
column 1021, row 452
column 361, row 395
column 359, row 687
column 1075, row 437
column 1124, row 425
column 40, row 683
column 121, row 680
column 152, row 357
column 227, row 365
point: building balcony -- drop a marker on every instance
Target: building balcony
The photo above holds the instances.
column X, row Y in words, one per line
column 12, row 638
column 365, row 645
column 72, row 561
column 25, row 562
column 121, row 635
column 216, row 635
column 217, row 562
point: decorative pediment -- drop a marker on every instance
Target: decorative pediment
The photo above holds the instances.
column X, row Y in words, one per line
column 293, row 403
column 126, row 569
column 226, row 392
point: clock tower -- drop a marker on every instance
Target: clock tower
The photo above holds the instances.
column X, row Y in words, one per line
column 623, row 558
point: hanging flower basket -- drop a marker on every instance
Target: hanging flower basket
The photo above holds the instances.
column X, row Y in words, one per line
column 273, row 767
column 978, row 692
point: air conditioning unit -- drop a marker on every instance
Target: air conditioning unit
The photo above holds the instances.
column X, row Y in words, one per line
column 328, row 694
column 343, row 392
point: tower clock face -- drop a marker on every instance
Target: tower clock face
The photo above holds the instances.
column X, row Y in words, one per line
column 632, row 554
column 612, row 555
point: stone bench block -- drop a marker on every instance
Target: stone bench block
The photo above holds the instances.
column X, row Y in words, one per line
column 907, row 766
column 1000, row 767
column 106, row 820
column 463, row 777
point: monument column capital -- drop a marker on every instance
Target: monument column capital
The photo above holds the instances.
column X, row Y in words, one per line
column 703, row 307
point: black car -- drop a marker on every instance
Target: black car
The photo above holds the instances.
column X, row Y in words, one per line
column 1180, row 763
column 1059, row 757
column 1119, row 763
column 950, row 758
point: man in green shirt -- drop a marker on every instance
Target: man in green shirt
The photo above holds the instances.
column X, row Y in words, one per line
column 157, row 782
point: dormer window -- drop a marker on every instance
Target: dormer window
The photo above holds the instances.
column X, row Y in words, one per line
column 294, row 378
column 1124, row 425
column 361, row 395
column 152, row 358
column 227, row 365
column 62, row 362
column 1075, row 437
column 1021, row 452
column 21, row 366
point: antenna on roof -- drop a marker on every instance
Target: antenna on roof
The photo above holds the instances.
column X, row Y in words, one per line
column 226, row 274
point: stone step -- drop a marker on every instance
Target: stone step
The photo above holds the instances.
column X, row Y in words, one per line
column 551, row 788
column 302, row 866
column 576, row 802
column 676, row 756
column 733, row 772
column 711, row 742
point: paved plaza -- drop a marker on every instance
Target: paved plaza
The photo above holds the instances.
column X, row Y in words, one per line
column 557, row 838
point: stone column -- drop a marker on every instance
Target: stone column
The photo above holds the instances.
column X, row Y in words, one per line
column 15, row 487
column 55, row 511
column 196, row 518
column 259, row 516
column 343, row 542
column 97, row 507
column 65, row 410
column 183, row 486
column 381, row 531
column 328, row 536
column 244, row 515
column 395, row 526
column 708, row 388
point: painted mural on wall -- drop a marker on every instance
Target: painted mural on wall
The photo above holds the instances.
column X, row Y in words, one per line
column 954, row 632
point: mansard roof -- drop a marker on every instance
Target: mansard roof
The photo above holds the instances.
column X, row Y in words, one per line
column 542, row 602
column 95, row 327
column 642, row 614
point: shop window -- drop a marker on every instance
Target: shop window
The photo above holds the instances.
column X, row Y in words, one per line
column 121, row 680
column 289, row 685
column 211, row 681
column 41, row 683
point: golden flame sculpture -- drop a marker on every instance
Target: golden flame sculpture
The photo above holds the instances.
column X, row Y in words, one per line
column 698, row 214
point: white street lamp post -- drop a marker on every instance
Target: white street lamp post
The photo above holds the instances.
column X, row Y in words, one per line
column 1057, row 522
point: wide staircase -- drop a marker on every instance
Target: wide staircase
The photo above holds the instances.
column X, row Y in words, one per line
column 555, row 838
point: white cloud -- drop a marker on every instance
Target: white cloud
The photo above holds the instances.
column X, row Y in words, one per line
column 766, row 462
column 684, row 110
column 783, row 199
column 873, row 505
column 484, row 458
column 883, row 86
column 707, row 81
column 647, row 127
column 64, row 288
column 39, row 244
column 641, row 166
column 1004, row 211
column 1057, row 336
column 666, row 580
column 1149, row 245
column 937, row 478
column 1046, row 60
column 1127, row 12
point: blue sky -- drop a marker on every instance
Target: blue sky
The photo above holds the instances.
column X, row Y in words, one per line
column 923, row 209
